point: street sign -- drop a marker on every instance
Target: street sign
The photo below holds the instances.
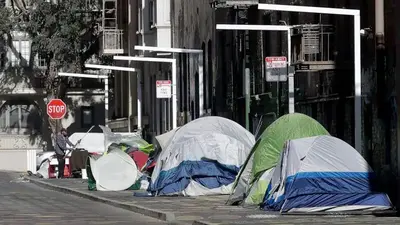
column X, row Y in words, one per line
column 276, row 69
column 164, row 88
column 56, row 109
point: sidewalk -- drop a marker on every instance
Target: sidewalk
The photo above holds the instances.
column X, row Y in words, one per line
column 197, row 210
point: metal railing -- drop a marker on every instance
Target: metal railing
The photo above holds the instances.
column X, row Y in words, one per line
column 312, row 43
column 112, row 40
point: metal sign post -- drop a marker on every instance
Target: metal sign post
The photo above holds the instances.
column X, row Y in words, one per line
column 355, row 13
column 276, row 71
column 198, row 52
column 173, row 79
column 139, row 91
column 281, row 28
column 94, row 76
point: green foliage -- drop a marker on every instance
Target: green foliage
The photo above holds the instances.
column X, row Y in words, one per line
column 5, row 20
column 64, row 33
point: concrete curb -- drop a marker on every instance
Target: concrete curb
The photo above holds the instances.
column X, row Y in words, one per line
column 200, row 222
column 160, row 215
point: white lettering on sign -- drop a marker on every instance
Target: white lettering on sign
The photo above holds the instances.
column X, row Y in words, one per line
column 164, row 88
column 56, row 108
column 276, row 68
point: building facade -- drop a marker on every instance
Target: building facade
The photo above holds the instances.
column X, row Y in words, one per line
column 23, row 117
column 324, row 75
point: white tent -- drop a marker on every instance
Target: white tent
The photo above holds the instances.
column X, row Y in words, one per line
column 165, row 138
column 115, row 171
column 322, row 173
column 201, row 158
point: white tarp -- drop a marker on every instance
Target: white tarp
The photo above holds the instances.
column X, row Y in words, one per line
column 92, row 142
column 99, row 142
column 164, row 139
column 115, row 171
column 132, row 139
column 193, row 148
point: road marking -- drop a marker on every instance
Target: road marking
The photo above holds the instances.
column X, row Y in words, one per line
column 43, row 216
column 105, row 222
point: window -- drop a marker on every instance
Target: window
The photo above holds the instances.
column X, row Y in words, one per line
column 205, row 81
column 23, row 117
column 25, row 53
column 186, row 83
column 41, row 61
column 3, row 121
column 15, row 53
column 14, row 117
column 210, row 80
column 20, row 118
column 222, row 64
column 152, row 14
column 181, row 82
column 196, row 96
column 3, row 60
column 19, row 53
column 140, row 19
column 87, row 117
column 110, row 15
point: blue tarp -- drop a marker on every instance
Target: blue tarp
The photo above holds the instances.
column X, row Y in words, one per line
column 209, row 174
column 319, row 189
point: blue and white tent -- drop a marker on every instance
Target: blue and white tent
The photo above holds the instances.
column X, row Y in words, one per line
column 322, row 174
column 201, row 158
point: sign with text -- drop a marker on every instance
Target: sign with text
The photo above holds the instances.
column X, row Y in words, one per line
column 276, row 68
column 164, row 88
column 56, row 109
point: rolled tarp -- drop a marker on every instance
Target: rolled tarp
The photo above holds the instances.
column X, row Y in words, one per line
column 115, row 171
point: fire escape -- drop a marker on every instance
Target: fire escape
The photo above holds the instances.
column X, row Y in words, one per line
column 312, row 47
column 314, row 60
column 111, row 37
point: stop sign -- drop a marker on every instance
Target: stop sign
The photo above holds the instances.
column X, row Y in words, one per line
column 56, row 109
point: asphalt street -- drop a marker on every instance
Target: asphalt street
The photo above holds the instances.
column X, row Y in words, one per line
column 23, row 203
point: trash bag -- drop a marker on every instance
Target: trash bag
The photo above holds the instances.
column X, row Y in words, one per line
column 91, row 180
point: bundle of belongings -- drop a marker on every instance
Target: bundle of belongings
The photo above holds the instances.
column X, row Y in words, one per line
column 119, row 168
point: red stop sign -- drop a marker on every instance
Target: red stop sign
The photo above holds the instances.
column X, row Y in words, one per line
column 56, row 109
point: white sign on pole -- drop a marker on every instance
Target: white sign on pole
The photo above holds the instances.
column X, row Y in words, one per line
column 164, row 88
column 276, row 68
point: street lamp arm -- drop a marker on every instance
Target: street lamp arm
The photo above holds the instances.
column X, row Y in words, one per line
column 144, row 59
column 106, row 67
column 92, row 76
column 309, row 9
column 172, row 50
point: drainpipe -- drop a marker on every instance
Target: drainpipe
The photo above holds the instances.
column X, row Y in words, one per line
column 397, row 71
column 380, row 24
column 380, row 72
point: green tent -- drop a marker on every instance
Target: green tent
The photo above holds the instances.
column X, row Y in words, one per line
column 253, row 178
